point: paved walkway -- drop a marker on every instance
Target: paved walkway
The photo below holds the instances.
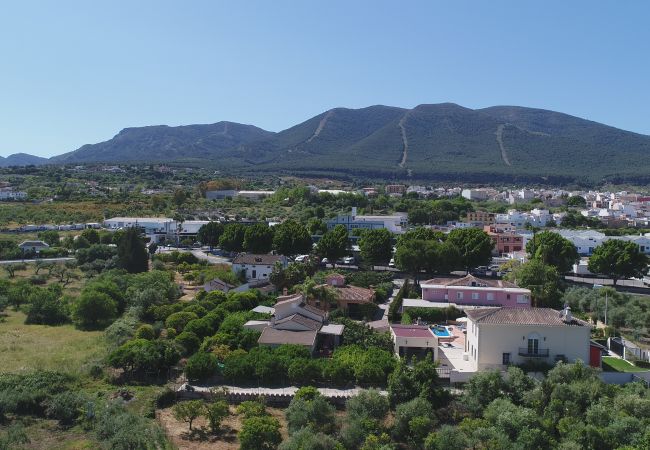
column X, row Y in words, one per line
column 285, row 391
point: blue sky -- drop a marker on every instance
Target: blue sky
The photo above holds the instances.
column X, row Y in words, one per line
column 77, row 72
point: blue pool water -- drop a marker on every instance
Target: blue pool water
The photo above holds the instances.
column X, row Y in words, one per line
column 440, row 331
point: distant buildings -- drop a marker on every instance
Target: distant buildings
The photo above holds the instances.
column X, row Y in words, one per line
column 394, row 224
column 257, row 267
column 231, row 193
column 8, row 193
column 33, row 246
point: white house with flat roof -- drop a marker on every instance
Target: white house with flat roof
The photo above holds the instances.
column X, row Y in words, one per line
column 395, row 224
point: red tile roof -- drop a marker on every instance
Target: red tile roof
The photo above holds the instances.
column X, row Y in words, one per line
column 271, row 336
column 522, row 316
column 412, row 331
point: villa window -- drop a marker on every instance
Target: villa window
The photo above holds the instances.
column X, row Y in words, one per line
column 522, row 299
column 475, row 295
column 533, row 346
column 459, row 295
column 505, row 359
column 490, row 296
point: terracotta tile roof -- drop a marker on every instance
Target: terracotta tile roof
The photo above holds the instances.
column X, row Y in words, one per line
column 354, row 294
column 313, row 309
column 467, row 280
column 268, row 260
column 522, row 316
column 272, row 336
column 286, row 299
column 411, row 331
column 300, row 320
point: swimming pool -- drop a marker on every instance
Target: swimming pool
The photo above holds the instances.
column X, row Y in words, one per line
column 441, row 331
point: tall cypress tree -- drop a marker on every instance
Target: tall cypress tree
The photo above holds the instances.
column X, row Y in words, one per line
column 132, row 253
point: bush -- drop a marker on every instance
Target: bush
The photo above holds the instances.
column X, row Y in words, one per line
column 178, row 320
column 315, row 413
column 65, row 407
column 119, row 429
column 435, row 315
column 189, row 341
column 260, row 433
column 201, row 366
column 145, row 332
column 405, row 427
column 250, row 409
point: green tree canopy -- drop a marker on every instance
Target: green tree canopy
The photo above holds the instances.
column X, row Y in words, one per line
column 554, row 250
column 232, row 238
column 376, row 246
column 334, row 244
column 474, row 246
column 544, row 282
column 618, row 259
column 258, row 238
column 292, row 238
column 210, row 233
column 132, row 254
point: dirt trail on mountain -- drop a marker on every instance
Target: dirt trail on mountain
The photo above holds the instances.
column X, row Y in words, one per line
column 504, row 154
column 321, row 125
column 405, row 141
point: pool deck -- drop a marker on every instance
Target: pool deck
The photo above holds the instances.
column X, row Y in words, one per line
column 452, row 357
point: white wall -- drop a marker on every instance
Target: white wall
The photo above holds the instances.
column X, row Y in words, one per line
column 490, row 341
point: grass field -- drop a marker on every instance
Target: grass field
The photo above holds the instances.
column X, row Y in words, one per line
column 63, row 348
column 611, row 364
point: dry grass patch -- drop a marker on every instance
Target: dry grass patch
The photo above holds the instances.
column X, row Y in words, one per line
column 200, row 438
column 40, row 347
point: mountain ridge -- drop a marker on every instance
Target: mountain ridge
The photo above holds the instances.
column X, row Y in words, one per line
column 444, row 141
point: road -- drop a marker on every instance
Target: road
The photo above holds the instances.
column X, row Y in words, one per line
column 20, row 261
column 607, row 281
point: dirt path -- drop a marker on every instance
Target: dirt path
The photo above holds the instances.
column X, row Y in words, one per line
column 405, row 142
column 504, row 154
column 321, row 125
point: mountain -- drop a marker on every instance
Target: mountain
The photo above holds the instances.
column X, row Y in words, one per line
column 22, row 159
column 429, row 142
column 165, row 143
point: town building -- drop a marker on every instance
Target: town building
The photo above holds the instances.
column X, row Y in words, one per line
column 394, row 224
column 218, row 285
column 395, row 189
column 257, row 267
column 472, row 291
column 498, row 337
column 296, row 322
column 9, row 194
column 348, row 298
column 33, row 246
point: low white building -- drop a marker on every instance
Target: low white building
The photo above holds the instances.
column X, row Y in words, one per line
column 498, row 337
column 394, row 224
column 10, row 194
column 257, row 267
column 33, row 246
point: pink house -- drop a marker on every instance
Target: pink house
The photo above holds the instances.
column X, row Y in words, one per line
column 472, row 291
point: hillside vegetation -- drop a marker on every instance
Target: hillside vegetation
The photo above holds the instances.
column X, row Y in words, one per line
column 435, row 142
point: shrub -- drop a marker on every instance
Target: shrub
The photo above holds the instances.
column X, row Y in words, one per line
column 145, row 332
column 435, row 315
column 201, row 366
column 215, row 413
column 189, row 341
column 260, row 433
column 250, row 409
column 65, row 407
column 179, row 320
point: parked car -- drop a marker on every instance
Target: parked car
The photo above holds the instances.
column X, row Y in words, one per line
column 391, row 263
column 324, row 261
column 348, row 260
column 302, row 258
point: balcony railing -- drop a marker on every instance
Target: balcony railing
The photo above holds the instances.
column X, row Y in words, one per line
column 533, row 353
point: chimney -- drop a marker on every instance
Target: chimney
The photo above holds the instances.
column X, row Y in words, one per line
column 566, row 315
column 354, row 212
